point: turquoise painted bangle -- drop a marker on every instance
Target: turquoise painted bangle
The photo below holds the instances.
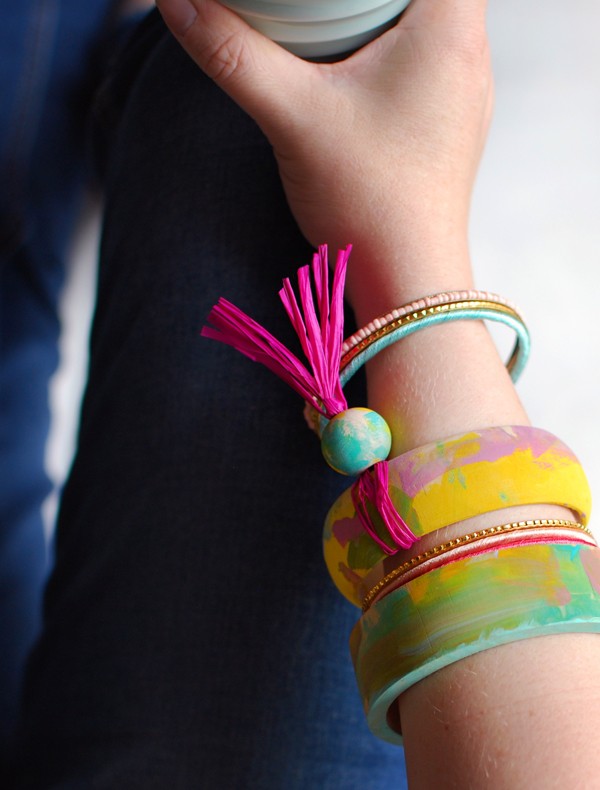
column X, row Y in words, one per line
column 472, row 310
column 465, row 608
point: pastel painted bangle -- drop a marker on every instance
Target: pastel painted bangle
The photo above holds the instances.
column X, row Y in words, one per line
column 516, row 533
column 443, row 483
column 471, row 309
column 465, row 608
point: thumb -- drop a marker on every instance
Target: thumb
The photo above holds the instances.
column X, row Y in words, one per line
column 258, row 74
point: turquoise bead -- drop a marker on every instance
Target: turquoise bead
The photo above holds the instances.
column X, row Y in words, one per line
column 354, row 440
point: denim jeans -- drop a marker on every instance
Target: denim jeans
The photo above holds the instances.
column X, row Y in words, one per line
column 192, row 637
column 45, row 61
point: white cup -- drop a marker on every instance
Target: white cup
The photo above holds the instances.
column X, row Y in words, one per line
column 318, row 28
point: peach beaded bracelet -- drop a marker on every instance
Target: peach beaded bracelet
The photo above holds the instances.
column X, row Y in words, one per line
column 448, row 297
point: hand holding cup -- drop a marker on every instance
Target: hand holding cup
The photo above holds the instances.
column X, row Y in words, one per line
column 319, row 28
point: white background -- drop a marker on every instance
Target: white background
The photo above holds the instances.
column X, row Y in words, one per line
column 536, row 215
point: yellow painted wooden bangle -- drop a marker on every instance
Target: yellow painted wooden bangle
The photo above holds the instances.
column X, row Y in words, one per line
column 447, row 482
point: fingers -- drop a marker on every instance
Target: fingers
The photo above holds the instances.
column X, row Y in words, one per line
column 283, row 93
column 257, row 73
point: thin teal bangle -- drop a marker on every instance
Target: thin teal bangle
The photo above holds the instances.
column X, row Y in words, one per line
column 515, row 364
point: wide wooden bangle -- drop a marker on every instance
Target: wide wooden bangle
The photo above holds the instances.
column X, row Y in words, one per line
column 467, row 607
column 450, row 481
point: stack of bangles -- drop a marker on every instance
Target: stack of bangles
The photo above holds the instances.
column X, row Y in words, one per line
column 488, row 587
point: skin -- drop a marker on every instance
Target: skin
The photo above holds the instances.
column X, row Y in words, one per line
column 382, row 150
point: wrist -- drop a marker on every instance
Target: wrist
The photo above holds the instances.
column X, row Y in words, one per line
column 404, row 265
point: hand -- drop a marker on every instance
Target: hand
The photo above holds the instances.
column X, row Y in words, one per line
column 380, row 149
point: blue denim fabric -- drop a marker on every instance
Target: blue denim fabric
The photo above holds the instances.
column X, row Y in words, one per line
column 44, row 48
column 192, row 636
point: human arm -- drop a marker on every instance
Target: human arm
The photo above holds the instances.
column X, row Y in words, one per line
column 423, row 92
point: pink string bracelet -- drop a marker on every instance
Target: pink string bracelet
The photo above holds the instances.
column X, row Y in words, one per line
column 354, row 441
column 484, row 541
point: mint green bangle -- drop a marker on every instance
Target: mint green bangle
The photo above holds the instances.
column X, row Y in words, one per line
column 353, row 360
column 464, row 608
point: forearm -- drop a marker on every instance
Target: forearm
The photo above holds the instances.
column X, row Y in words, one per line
column 440, row 381
column 517, row 715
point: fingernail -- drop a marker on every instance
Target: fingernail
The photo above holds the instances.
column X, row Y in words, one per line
column 178, row 14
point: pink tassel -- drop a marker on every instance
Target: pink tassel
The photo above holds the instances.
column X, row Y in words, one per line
column 372, row 486
column 320, row 331
column 321, row 340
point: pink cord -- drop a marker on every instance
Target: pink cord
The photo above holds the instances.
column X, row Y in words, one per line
column 487, row 544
